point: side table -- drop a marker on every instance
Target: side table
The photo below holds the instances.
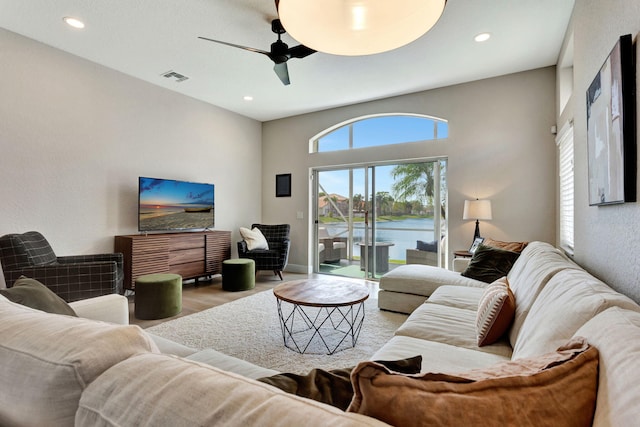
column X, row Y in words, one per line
column 462, row 254
column 382, row 255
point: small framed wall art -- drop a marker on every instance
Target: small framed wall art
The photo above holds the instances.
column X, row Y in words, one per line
column 283, row 185
column 611, row 135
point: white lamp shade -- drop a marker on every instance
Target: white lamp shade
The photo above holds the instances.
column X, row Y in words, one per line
column 477, row 209
column 358, row 27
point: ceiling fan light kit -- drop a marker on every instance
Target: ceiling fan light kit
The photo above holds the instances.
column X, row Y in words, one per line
column 358, row 27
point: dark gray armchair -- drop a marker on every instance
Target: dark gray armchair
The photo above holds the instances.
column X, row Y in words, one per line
column 72, row 278
column 275, row 258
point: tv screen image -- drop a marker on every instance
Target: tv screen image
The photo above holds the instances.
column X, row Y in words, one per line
column 167, row 204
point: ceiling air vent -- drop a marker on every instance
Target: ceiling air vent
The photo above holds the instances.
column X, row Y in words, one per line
column 173, row 75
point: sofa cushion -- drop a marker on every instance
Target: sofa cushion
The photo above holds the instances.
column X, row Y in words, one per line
column 31, row 293
column 457, row 296
column 254, row 238
column 568, row 301
column 557, row 389
column 230, row 364
column 112, row 308
column 161, row 390
column 168, row 346
column 48, row 360
column 436, row 356
column 616, row 334
column 399, row 302
column 488, row 264
column 531, row 252
column 419, row 279
column 495, row 312
column 448, row 325
column 538, row 263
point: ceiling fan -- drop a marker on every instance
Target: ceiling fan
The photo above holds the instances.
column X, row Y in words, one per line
column 280, row 52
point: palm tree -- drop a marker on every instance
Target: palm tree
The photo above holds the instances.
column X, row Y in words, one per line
column 358, row 203
column 384, row 202
column 416, row 181
column 413, row 181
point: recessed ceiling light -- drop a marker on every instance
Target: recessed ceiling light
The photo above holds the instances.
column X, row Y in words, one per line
column 482, row 37
column 248, row 98
column 73, row 22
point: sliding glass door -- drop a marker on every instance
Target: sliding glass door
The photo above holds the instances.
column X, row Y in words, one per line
column 372, row 218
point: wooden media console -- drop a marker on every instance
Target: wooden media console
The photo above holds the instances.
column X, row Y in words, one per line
column 191, row 255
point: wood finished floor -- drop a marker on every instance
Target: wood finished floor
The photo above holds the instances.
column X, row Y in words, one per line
column 210, row 294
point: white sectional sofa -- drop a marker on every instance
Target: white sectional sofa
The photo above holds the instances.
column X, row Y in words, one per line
column 555, row 301
column 60, row 370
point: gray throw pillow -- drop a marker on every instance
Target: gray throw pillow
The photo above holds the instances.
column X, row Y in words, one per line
column 427, row 246
column 31, row 293
column 488, row 264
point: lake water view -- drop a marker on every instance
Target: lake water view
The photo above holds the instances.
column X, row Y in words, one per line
column 403, row 234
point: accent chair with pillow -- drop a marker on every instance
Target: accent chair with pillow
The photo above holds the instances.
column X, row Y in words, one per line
column 331, row 248
column 72, row 278
column 272, row 255
column 426, row 253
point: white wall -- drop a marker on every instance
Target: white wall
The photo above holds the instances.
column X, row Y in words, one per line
column 607, row 238
column 500, row 147
column 75, row 136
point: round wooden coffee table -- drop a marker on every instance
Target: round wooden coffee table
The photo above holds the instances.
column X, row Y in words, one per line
column 322, row 312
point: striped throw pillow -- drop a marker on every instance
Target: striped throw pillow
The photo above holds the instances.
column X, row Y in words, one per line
column 496, row 310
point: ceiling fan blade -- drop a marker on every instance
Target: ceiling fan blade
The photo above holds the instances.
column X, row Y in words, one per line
column 251, row 49
column 300, row 51
column 283, row 72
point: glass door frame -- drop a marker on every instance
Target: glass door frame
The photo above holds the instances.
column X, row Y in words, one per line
column 370, row 206
column 317, row 186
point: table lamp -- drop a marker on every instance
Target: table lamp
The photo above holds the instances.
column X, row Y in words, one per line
column 478, row 210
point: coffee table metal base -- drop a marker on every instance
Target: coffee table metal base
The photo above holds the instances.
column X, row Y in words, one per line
column 333, row 328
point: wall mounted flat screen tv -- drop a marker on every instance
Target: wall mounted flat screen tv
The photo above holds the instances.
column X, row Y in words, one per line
column 171, row 205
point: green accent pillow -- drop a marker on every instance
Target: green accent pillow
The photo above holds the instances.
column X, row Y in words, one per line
column 488, row 264
column 31, row 293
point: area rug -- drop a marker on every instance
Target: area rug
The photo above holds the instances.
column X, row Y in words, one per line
column 249, row 329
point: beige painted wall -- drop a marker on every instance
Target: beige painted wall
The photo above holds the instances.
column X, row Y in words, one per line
column 75, row 136
column 500, row 147
column 607, row 239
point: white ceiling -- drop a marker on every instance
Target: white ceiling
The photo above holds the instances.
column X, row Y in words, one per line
column 145, row 38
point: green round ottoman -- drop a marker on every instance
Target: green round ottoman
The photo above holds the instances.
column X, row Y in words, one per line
column 238, row 274
column 158, row 296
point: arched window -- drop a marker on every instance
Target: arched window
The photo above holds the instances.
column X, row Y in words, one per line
column 383, row 129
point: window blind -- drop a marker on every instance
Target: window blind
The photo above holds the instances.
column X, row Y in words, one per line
column 566, row 188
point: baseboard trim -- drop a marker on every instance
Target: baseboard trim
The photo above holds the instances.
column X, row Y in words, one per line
column 300, row 269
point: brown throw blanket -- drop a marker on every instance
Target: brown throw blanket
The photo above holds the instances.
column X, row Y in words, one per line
column 333, row 387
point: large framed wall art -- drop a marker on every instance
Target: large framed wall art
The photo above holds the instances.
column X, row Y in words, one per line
column 611, row 128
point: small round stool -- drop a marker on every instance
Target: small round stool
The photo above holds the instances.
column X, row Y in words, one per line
column 158, row 296
column 238, row 274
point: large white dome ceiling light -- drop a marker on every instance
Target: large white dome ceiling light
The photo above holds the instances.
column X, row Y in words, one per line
column 358, row 27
